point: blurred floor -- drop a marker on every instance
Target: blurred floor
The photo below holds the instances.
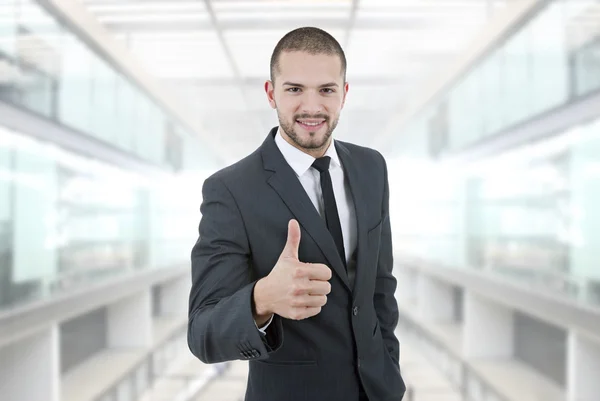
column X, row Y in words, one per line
column 231, row 386
column 425, row 382
column 183, row 380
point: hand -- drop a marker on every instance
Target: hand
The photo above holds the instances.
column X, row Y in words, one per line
column 293, row 290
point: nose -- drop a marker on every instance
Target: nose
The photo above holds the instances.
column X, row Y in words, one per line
column 311, row 103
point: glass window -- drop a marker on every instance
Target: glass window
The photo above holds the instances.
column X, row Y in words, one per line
column 128, row 105
column 154, row 136
column 103, row 103
column 530, row 214
column 9, row 76
column 75, row 91
column 6, row 218
column 34, row 214
column 38, row 54
column 36, row 90
column 587, row 68
column 67, row 221
column 142, row 136
column 465, row 110
column 456, row 120
column 51, row 71
column 549, row 60
column 475, row 117
column 585, row 238
column 491, row 94
column 8, row 27
column 429, row 222
column 521, row 218
column 516, row 79
column 583, row 39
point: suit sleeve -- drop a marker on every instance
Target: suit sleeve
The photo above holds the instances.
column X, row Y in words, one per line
column 221, row 326
column 385, row 302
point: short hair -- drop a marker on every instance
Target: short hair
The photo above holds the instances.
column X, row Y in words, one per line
column 311, row 40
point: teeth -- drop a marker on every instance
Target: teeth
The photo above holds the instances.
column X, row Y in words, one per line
column 311, row 124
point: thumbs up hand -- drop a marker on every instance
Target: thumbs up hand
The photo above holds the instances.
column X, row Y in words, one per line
column 293, row 290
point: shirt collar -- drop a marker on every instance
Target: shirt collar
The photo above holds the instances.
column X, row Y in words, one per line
column 299, row 161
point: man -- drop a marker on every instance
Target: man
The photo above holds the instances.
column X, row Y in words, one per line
column 293, row 266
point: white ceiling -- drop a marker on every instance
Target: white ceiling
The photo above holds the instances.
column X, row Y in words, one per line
column 215, row 53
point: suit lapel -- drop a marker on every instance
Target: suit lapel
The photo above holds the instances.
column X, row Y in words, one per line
column 354, row 179
column 286, row 184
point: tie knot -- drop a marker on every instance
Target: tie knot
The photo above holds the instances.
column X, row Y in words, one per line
column 322, row 163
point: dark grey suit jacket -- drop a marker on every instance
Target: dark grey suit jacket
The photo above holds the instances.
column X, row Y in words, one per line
column 246, row 208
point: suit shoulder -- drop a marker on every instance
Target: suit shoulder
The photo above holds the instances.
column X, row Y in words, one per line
column 238, row 170
column 363, row 152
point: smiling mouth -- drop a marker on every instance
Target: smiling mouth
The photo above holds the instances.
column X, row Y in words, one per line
column 311, row 124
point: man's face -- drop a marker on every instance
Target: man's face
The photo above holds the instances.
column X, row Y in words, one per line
column 309, row 93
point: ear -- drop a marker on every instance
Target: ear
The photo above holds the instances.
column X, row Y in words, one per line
column 270, row 91
column 345, row 93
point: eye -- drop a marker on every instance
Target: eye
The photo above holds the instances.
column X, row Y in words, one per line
column 328, row 90
column 293, row 89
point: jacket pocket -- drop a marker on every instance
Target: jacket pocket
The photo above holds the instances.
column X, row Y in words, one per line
column 376, row 230
column 373, row 243
column 376, row 327
column 287, row 363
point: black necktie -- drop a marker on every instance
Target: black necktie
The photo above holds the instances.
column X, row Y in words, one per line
column 332, row 217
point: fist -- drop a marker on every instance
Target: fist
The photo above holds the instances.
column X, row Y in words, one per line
column 293, row 290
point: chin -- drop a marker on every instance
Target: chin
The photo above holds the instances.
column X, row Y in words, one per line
column 312, row 140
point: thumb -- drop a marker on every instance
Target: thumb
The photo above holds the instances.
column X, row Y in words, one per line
column 293, row 240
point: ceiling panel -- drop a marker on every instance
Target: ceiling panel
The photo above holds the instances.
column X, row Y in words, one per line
column 108, row 7
column 217, row 58
column 252, row 49
column 181, row 55
column 430, row 5
column 317, row 5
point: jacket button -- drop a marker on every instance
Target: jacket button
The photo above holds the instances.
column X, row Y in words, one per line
column 355, row 310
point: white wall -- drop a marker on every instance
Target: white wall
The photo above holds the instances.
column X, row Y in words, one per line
column 30, row 369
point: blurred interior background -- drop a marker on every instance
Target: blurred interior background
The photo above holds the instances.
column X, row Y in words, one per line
column 112, row 113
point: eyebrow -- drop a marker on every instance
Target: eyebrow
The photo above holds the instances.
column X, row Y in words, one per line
column 302, row 86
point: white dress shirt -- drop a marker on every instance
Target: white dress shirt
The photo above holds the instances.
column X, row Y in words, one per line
column 310, row 179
